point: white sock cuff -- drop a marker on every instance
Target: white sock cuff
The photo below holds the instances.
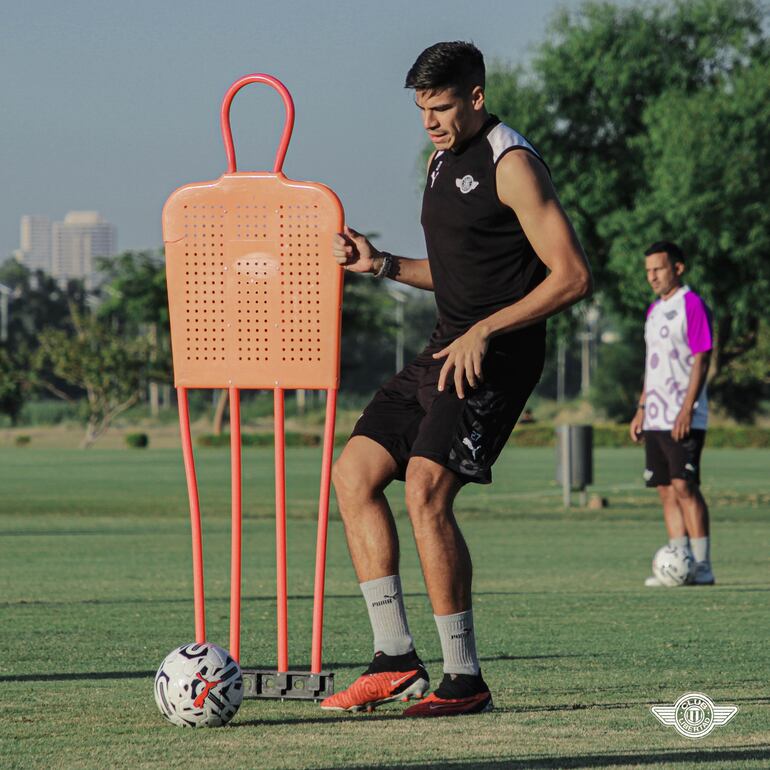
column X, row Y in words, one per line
column 458, row 643
column 701, row 548
column 385, row 603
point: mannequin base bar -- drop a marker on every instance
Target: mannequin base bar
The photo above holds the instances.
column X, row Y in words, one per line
column 295, row 685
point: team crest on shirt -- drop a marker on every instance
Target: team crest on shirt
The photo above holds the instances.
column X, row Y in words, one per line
column 466, row 184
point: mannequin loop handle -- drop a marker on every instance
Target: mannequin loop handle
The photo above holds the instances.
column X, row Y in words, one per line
column 288, row 125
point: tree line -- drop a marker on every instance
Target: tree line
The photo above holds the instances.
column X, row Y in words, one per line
column 104, row 351
column 655, row 122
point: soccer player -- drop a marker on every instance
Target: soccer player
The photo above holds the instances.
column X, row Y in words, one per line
column 502, row 257
column 672, row 411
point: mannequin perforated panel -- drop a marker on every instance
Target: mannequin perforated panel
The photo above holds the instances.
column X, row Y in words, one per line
column 254, row 292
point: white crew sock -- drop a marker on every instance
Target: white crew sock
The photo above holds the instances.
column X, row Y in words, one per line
column 458, row 643
column 385, row 602
column 701, row 549
column 682, row 541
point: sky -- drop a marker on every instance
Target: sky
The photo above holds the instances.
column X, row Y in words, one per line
column 110, row 106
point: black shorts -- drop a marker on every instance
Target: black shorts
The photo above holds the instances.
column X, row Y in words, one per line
column 409, row 417
column 666, row 459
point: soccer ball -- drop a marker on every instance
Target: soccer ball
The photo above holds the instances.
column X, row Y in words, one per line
column 198, row 685
column 673, row 565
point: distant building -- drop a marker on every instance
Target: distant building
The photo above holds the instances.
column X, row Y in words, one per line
column 67, row 249
column 34, row 249
column 77, row 242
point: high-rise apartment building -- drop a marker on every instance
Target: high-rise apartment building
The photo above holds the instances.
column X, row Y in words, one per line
column 35, row 243
column 77, row 242
column 66, row 249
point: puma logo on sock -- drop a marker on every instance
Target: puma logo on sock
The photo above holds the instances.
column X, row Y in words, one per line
column 389, row 599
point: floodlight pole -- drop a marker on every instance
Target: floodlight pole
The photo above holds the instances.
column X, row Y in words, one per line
column 585, row 363
column 561, row 369
column 566, row 466
column 5, row 293
column 588, row 343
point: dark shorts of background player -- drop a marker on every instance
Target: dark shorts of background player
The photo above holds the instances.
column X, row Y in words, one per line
column 666, row 459
column 409, row 417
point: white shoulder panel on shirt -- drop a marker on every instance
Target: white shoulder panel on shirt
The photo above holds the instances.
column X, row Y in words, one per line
column 502, row 138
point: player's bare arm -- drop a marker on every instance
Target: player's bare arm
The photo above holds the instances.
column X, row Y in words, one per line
column 698, row 373
column 523, row 184
column 636, row 427
column 355, row 253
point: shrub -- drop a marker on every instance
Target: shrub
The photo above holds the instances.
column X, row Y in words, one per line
column 613, row 435
column 22, row 440
column 137, row 440
column 528, row 435
column 291, row 439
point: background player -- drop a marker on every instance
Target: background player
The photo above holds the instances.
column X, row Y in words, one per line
column 672, row 412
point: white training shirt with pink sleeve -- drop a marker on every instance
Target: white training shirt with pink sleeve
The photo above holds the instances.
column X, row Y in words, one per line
column 676, row 329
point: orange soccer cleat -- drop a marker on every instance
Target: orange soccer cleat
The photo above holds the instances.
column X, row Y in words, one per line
column 388, row 678
column 457, row 694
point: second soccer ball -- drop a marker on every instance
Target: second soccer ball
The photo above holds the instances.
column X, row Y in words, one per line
column 673, row 565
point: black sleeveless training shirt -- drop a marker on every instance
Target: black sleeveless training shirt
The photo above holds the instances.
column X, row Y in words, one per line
column 480, row 258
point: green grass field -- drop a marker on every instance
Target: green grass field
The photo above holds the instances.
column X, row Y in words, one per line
column 96, row 587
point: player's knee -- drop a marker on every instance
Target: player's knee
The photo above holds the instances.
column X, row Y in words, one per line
column 343, row 476
column 418, row 496
column 684, row 489
column 351, row 480
column 422, row 498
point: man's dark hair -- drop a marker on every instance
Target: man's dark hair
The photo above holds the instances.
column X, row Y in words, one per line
column 671, row 250
column 455, row 65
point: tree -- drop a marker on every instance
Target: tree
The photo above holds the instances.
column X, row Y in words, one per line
column 619, row 375
column 709, row 188
column 36, row 302
column 12, row 387
column 134, row 299
column 368, row 331
column 91, row 358
column 632, row 107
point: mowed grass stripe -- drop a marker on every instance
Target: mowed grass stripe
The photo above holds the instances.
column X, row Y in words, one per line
column 95, row 588
column 151, row 482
